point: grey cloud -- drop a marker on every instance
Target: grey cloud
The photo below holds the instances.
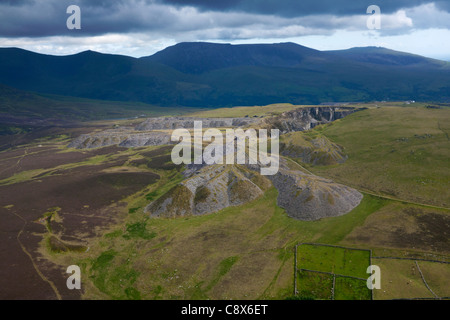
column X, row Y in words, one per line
column 291, row 8
column 16, row 2
column 48, row 18
column 204, row 19
column 443, row 5
column 429, row 16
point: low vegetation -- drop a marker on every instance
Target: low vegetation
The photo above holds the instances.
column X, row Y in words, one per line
column 396, row 152
column 397, row 158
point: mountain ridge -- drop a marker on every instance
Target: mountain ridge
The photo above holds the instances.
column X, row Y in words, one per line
column 206, row 74
column 285, row 54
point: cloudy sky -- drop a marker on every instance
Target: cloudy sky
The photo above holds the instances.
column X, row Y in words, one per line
column 142, row 27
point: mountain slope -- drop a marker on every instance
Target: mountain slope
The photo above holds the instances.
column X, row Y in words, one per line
column 206, row 75
column 196, row 58
column 383, row 56
column 87, row 74
column 20, row 107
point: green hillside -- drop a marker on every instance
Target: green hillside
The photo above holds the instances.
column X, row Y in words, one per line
column 394, row 151
column 21, row 104
column 206, row 75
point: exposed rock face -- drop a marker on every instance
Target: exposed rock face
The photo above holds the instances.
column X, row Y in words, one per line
column 146, row 134
column 309, row 197
column 212, row 189
column 188, row 123
column 215, row 187
column 123, row 138
column 302, row 119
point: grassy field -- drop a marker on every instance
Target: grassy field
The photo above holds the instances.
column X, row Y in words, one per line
column 314, row 286
column 338, row 261
column 399, row 152
column 346, row 262
column 351, row 289
column 400, row 278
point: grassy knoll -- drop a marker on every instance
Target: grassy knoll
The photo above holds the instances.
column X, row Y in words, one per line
column 312, row 148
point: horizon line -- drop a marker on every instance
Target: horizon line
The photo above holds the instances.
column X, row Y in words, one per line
column 447, row 59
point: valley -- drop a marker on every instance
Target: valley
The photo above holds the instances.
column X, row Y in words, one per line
column 96, row 194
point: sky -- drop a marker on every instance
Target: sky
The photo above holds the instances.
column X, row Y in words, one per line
column 142, row 27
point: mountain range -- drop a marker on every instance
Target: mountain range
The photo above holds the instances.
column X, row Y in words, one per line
column 199, row 74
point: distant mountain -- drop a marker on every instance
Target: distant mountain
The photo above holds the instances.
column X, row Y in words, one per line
column 215, row 75
column 383, row 56
column 24, row 109
column 194, row 57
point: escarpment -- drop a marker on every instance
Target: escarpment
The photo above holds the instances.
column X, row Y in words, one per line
column 302, row 119
column 157, row 131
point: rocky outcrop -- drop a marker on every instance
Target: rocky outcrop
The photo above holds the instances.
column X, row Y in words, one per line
column 214, row 187
column 152, row 132
column 211, row 189
column 309, row 197
column 122, row 137
column 171, row 123
column 302, row 119
column 156, row 131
